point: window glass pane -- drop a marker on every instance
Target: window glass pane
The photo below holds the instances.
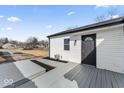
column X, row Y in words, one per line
column 66, row 41
column 66, row 44
column 88, row 39
column 66, row 47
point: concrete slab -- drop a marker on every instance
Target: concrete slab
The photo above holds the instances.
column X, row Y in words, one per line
column 55, row 76
column 29, row 84
column 29, row 69
column 20, row 70
column 17, row 71
column 63, row 83
column 9, row 74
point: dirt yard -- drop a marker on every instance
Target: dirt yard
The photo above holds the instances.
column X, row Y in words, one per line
column 16, row 55
column 2, row 60
column 37, row 53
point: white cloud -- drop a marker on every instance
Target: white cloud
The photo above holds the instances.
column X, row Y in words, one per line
column 13, row 19
column 115, row 16
column 1, row 16
column 100, row 6
column 112, row 17
column 70, row 13
column 49, row 26
column 9, row 28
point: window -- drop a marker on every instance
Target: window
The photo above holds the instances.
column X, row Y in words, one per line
column 88, row 39
column 67, row 44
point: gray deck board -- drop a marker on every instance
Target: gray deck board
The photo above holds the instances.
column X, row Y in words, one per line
column 108, row 79
column 120, row 79
column 114, row 81
column 83, row 76
column 91, row 77
column 94, row 78
column 78, row 76
column 120, row 85
column 72, row 72
column 121, row 76
column 76, row 73
column 98, row 79
column 103, row 81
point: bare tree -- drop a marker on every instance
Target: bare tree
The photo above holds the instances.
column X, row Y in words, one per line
column 100, row 18
column 14, row 42
column 43, row 44
column 4, row 40
column 31, row 42
column 110, row 14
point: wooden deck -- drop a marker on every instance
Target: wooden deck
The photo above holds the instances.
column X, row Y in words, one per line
column 87, row 76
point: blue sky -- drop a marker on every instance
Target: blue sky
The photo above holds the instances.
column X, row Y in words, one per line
column 21, row 22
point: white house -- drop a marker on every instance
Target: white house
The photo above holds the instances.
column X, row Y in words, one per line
column 100, row 44
column 8, row 46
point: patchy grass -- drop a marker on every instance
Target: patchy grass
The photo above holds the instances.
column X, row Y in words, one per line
column 36, row 53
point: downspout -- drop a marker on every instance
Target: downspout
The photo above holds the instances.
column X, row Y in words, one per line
column 123, row 30
column 123, row 39
column 49, row 46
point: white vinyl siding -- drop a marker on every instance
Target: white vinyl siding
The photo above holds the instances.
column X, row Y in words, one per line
column 110, row 50
column 57, row 47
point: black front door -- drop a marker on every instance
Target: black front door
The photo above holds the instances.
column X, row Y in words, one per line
column 89, row 49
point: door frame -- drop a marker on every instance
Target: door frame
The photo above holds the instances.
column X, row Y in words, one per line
column 94, row 46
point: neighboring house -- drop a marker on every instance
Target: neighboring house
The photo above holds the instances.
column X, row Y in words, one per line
column 9, row 46
column 100, row 44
